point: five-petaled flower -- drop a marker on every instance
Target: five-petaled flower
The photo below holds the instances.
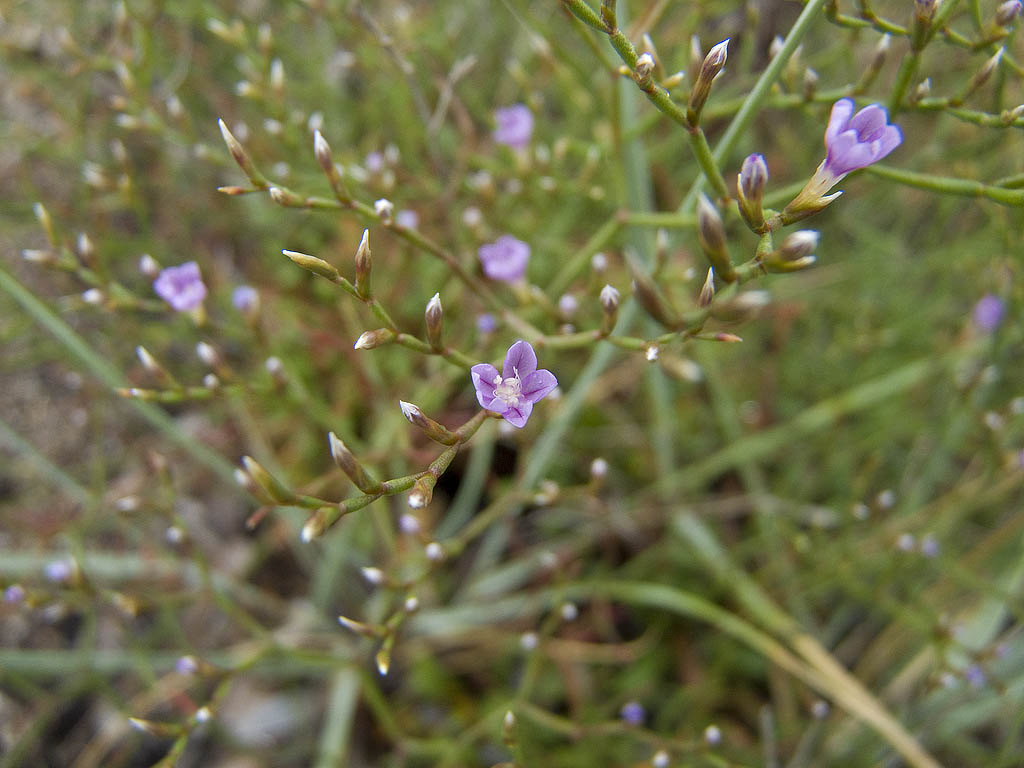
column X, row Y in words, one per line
column 182, row 286
column 514, row 126
column 505, row 259
column 852, row 141
column 512, row 393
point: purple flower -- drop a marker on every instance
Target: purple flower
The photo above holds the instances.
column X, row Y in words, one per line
column 505, row 259
column 632, row 713
column 14, row 594
column 988, row 313
column 407, row 218
column 245, row 299
column 486, row 323
column 513, row 392
column 855, row 141
column 515, row 126
column 852, row 141
column 182, row 286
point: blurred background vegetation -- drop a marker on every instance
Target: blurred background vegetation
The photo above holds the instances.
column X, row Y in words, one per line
column 851, row 472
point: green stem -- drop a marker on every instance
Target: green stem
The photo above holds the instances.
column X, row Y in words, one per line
column 948, row 186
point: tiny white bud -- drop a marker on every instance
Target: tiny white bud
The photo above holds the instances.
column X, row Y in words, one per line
column 609, row 298
column 36, row 256
column 510, row 719
column 384, row 208
column 713, row 735
column 147, row 360
column 886, row 499
column 412, row 603
column 599, row 262
column 820, row 709
column 652, row 353
column 93, row 296
column 417, row 499
column 434, row 305
column 207, row 354
column 273, row 365
column 472, row 217
column 529, row 641
column 84, row 246
column 861, row 511
column 569, row 611
column 373, row 575
column 994, row 421
column 598, row 467
column 365, row 341
column 174, row 535
column 567, row 304
column 276, row 75
column 644, row 65
column 661, row 759
column 210, row 381
column 434, row 552
column 906, row 542
column 127, row 504
column 409, row 524
column 203, row 715
column 309, row 531
column 277, row 195
column 148, row 266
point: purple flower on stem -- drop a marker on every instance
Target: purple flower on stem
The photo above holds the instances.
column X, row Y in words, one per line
column 245, row 299
column 988, row 313
column 182, row 286
column 632, row 713
column 486, row 323
column 852, row 141
column 515, row 126
column 505, row 259
column 513, row 392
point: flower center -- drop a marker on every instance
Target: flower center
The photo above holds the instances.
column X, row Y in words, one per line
column 510, row 389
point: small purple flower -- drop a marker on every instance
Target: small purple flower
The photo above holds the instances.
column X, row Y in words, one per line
column 975, row 676
column 515, row 126
column 852, row 141
column 632, row 713
column 513, row 392
column 505, row 259
column 59, row 571
column 407, row 218
column 486, row 323
column 14, row 594
column 855, row 141
column 245, row 299
column 182, row 286
column 374, row 162
column 988, row 313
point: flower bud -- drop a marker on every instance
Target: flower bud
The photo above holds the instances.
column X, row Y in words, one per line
column 435, row 431
column 750, row 190
column 810, row 84
column 799, row 245
column 707, row 291
column 314, row 265
column 709, row 69
column 610, row 305
column 241, row 157
column 384, row 208
column 644, row 67
column 374, row 339
column 1008, row 12
column 322, row 150
column 350, row 465
column 434, row 317
column 273, row 487
column 711, row 233
column 981, row 77
column 364, row 265
column 422, row 491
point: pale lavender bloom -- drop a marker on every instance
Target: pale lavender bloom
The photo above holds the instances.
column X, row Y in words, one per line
column 486, row 323
column 988, row 312
column 14, row 594
column 975, row 676
column 513, row 392
column 374, row 162
column 753, row 177
column 59, row 571
column 929, row 545
column 852, row 141
column 408, row 219
column 245, row 299
column 632, row 712
column 505, row 259
column 855, row 141
column 515, row 126
column 186, row 665
column 182, row 286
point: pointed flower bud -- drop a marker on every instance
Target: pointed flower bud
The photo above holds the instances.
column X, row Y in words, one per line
column 314, row 265
column 707, row 291
column 982, row 77
column 350, row 465
column 711, row 234
column 1008, row 12
column 374, row 339
column 610, row 306
column 653, row 302
column 322, row 150
column 434, row 317
column 364, row 265
column 241, row 157
column 709, row 69
column 750, row 190
column 435, row 431
column 270, row 484
column 644, row 67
